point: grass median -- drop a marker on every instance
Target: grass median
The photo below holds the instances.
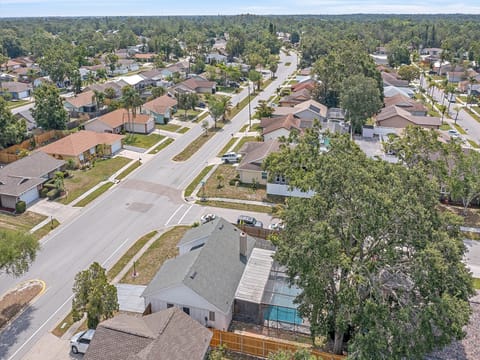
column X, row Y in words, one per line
column 227, row 146
column 189, row 189
column 128, row 170
column 162, row 249
column 94, row 194
column 236, row 206
column 161, row 146
column 195, row 145
column 45, row 229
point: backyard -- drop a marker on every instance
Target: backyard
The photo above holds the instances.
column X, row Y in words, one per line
column 83, row 180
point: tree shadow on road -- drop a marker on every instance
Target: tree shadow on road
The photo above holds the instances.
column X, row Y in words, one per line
column 9, row 334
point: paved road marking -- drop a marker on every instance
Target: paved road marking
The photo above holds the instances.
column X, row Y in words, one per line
column 116, row 250
column 175, row 213
column 40, row 328
column 186, row 212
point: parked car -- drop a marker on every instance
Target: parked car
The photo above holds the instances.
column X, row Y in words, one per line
column 201, row 105
column 207, row 218
column 80, row 341
column 231, row 157
column 249, row 220
column 276, row 226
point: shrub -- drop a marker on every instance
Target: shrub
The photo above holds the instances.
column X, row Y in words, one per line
column 43, row 192
column 20, row 207
column 71, row 164
column 53, row 194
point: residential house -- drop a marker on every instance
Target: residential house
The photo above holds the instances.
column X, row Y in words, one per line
column 17, row 90
column 117, row 86
column 82, row 104
column 12, row 64
column 455, row 76
column 161, row 108
column 276, row 127
column 135, row 81
column 392, row 79
column 112, row 122
column 153, row 77
column 84, row 145
column 389, row 91
column 253, row 153
column 196, row 84
column 140, row 123
column 296, row 98
column 168, row 334
column 396, row 117
column 23, row 179
column 203, row 279
column 431, row 53
column 308, row 84
column 215, row 58
column 147, row 57
column 4, row 77
column 124, row 66
column 412, row 106
column 308, row 111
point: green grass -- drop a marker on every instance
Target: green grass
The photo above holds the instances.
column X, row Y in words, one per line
column 183, row 130
column 288, row 63
column 476, row 283
column 63, row 325
column 134, row 249
column 191, row 115
column 244, row 128
column 16, row 104
column 445, row 127
column 128, row 170
column 168, row 127
column 242, row 141
column 94, row 194
column 189, row 189
column 194, row 146
column 226, row 89
column 201, row 117
column 45, row 229
column 473, row 144
column 459, row 129
column 84, row 180
column 23, row 222
column 161, row 146
column 236, row 206
column 476, row 108
column 143, row 141
column 162, row 249
column 266, row 83
column 237, row 108
column 227, row 146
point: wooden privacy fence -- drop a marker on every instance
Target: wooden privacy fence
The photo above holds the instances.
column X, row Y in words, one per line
column 259, row 346
column 13, row 153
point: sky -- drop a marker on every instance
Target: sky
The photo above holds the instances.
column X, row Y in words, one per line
column 28, row 8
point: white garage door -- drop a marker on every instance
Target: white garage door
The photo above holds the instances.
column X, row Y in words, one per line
column 116, row 146
column 30, row 196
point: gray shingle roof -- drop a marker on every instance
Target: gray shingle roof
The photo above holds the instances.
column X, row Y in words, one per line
column 166, row 335
column 212, row 271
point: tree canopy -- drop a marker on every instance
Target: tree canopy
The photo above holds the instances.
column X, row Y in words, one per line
column 48, row 111
column 17, row 251
column 12, row 131
column 94, row 296
column 375, row 260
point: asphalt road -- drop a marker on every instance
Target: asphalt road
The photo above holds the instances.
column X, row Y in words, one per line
column 150, row 199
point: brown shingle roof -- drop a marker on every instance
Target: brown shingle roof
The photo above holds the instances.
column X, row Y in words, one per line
column 307, row 84
column 392, row 111
column 160, row 104
column 168, row 334
column 255, row 153
column 79, row 142
column 405, row 103
column 194, row 84
column 13, row 86
column 287, row 122
column 82, row 99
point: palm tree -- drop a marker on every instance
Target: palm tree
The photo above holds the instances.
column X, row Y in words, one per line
column 98, row 98
column 131, row 101
column 457, row 110
column 226, row 104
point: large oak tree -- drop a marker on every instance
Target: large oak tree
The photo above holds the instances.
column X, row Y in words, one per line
column 379, row 266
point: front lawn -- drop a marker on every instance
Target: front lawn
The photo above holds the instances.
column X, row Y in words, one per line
column 222, row 176
column 168, row 127
column 164, row 248
column 191, row 115
column 143, row 141
column 83, row 180
column 242, row 141
column 23, row 222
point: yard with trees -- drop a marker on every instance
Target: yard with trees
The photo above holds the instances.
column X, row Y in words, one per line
column 380, row 267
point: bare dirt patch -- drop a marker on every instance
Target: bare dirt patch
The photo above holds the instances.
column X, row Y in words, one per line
column 17, row 299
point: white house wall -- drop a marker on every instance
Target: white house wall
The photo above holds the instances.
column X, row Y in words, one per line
column 283, row 190
column 181, row 296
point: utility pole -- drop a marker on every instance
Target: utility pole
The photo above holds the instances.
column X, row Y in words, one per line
column 249, row 109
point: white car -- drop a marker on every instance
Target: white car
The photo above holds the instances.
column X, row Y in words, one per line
column 80, row 341
column 231, row 157
column 276, row 226
column 207, row 218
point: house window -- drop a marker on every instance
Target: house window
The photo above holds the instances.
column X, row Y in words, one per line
column 211, row 315
column 280, row 179
column 264, row 175
column 186, row 310
column 169, row 305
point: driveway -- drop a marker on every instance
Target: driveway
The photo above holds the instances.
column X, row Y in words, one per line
column 472, row 256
